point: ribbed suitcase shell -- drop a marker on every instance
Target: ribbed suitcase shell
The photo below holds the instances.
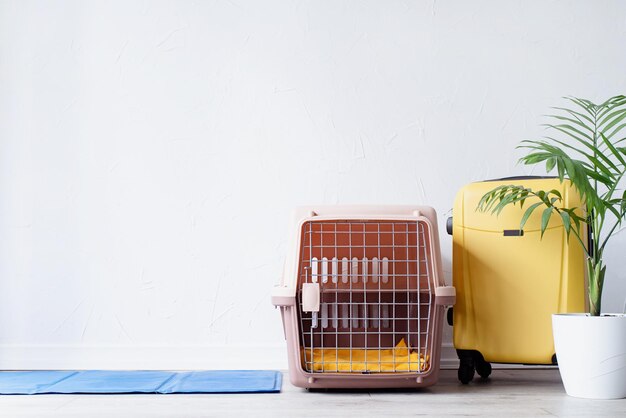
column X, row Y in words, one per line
column 508, row 286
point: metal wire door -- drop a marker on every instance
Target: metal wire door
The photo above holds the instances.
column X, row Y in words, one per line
column 376, row 293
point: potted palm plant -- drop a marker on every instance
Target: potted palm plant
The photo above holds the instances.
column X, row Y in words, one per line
column 588, row 148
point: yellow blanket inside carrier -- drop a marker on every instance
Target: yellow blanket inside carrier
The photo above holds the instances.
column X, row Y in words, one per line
column 397, row 359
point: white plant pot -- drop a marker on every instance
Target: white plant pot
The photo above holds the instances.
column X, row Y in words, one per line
column 591, row 352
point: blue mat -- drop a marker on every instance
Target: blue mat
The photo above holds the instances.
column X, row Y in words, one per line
column 97, row 381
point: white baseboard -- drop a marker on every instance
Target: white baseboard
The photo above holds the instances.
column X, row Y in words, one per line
column 108, row 357
column 449, row 359
column 83, row 357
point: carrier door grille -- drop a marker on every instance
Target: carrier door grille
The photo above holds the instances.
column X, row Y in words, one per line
column 376, row 294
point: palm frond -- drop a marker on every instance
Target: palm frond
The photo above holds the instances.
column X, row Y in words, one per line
column 587, row 151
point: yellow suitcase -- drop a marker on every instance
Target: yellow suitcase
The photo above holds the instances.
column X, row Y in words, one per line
column 509, row 281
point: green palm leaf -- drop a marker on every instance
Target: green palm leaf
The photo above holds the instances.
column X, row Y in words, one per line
column 589, row 157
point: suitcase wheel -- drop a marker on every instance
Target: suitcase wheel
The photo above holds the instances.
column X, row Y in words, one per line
column 466, row 369
column 471, row 361
column 483, row 368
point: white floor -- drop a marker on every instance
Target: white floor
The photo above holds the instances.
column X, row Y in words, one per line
column 511, row 393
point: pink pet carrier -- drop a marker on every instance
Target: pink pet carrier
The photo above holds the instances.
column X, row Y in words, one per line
column 362, row 297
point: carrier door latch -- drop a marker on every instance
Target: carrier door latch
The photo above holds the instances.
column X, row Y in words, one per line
column 445, row 295
column 310, row 297
column 283, row 296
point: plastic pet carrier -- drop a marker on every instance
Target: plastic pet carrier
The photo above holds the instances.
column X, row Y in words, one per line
column 362, row 297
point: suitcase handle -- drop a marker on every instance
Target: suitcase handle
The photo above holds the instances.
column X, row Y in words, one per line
column 523, row 178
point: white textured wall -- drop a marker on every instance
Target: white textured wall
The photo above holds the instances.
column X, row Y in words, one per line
column 151, row 152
